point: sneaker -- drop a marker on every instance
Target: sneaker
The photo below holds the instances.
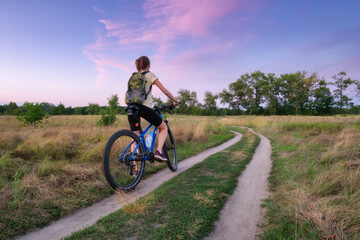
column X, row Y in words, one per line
column 136, row 173
column 159, row 155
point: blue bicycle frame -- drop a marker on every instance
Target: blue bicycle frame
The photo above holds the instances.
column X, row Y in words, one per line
column 142, row 141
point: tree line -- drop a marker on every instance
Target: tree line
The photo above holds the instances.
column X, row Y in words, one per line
column 256, row 93
column 51, row 109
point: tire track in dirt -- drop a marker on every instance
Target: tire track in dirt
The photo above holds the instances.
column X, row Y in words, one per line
column 242, row 212
column 88, row 216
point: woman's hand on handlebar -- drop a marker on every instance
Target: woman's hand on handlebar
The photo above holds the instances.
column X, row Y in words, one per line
column 176, row 103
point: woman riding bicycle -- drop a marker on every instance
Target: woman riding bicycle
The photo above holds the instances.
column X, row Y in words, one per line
column 143, row 67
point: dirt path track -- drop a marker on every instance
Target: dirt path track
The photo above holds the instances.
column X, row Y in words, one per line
column 88, row 216
column 242, row 211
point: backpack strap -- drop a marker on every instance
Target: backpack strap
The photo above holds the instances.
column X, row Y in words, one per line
column 143, row 76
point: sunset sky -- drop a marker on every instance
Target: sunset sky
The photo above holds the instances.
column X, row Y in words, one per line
column 83, row 51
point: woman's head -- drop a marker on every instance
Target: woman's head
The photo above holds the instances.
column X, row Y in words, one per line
column 142, row 63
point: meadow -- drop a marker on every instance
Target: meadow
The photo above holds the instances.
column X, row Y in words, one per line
column 315, row 179
column 53, row 169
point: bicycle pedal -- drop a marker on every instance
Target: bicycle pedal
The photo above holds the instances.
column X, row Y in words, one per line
column 161, row 160
column 151, row 157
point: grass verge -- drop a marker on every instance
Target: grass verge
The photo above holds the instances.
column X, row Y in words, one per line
column 186, row 207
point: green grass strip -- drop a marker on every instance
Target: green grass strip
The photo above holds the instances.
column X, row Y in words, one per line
column 185, row 207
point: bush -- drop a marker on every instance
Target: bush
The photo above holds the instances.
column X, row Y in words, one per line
column 33, row 113
column 108, row 116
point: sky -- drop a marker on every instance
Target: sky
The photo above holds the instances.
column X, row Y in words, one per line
column 83, row 51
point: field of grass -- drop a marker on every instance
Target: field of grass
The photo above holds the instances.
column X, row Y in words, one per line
column 186, row 207
column 51, row 170
column 315, row 180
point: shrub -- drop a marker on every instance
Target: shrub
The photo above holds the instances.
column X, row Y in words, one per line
column 33, row 113
column 108, row 116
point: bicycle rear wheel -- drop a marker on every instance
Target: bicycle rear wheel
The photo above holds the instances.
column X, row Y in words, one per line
column 169, row 149
column 119, row 167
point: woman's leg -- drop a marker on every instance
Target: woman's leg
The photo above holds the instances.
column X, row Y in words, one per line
column 137, row 164
column 134, row 129
column 162, row 135
column 152, row 117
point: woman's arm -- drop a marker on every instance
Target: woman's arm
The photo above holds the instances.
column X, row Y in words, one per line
column 166, row 92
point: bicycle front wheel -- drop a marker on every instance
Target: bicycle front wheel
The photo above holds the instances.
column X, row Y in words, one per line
column 120, row 170
column 169, row 150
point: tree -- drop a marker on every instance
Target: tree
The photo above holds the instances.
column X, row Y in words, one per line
column 296, row 90
column 248, row 92
column 69, row 111
column 188, row 100
column 93, row 109
column 157, row 101
column 341, row 85
column 33, row 113
column 323, row 100
column 48, row 108
column 210, row 103
column 12, row 109
column 60, row 110
column 2, row 109
column 354, row 109
column 80, row 111
column 256, row 92
column 227, row 97
column 113, row 104
column 235, row 96
column 272, row 94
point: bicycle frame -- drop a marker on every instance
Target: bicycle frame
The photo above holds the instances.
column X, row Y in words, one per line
column 142, row 141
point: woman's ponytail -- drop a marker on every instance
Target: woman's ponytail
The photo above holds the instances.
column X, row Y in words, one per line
column 142, row 63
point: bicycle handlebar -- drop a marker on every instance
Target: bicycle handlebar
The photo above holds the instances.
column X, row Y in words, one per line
column 163, row 107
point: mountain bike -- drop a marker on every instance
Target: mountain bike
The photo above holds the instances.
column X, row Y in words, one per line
column 124, row 148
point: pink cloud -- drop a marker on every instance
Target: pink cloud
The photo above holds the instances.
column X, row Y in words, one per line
column 167, row 20
column 163, row 23
column 102, row 62
column 187, row 17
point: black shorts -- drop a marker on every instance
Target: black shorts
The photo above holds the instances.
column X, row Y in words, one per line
column 145, row 112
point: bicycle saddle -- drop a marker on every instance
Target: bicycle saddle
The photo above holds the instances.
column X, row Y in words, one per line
column 132, row 107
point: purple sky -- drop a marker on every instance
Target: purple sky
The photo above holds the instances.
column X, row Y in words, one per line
column 83, row 51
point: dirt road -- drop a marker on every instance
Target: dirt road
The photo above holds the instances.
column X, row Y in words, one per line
column 88, row 216
column 242, row 211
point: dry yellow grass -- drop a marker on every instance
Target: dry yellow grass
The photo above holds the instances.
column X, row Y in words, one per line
column 204, row 198
column 319, row 178
column 57, row 165
column 62, row 157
